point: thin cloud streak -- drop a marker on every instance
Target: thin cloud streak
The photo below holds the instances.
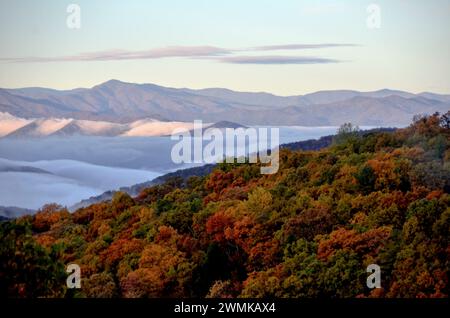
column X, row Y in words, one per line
column 192, row 52
column 111, row 55
column 302, row 46
column 276, row 60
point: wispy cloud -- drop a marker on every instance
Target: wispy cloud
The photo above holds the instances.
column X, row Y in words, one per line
column 276, row 60
column 301, row 46
column 193, row 52
column 111, row 55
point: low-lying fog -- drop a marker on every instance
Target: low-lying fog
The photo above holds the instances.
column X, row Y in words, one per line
column 63, row 181
column 76, row 168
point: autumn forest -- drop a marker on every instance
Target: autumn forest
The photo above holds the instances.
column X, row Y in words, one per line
column 309, row 230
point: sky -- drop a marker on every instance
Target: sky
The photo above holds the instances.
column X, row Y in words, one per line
column 286, row 47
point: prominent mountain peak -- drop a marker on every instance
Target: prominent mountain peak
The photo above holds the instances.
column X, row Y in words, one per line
column 387, row 91
column 112, row 84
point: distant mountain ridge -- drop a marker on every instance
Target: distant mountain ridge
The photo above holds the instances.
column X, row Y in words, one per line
column 14, row 127
column 120, row 102
column 11, row 212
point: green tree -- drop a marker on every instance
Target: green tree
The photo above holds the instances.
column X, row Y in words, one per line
column 366, row 179
column 27, row 269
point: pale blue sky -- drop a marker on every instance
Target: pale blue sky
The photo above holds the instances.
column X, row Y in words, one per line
column 411, row 50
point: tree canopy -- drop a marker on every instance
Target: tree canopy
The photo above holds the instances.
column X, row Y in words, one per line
column 310, row 230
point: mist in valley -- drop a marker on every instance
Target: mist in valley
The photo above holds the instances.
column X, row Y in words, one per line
column 66, row 170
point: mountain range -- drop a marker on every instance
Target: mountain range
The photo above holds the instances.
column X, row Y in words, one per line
column 124, row 103
column 14, row 127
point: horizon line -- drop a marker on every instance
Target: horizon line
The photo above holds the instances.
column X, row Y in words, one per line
column 225, row 88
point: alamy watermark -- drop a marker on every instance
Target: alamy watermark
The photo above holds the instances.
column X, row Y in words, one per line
column 74, row 278
column 73, row 20
column 374, row 16
column 227, row 145
column 374, row 279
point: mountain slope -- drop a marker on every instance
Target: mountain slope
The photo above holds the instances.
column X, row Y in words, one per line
column 14, row 127
column 9, row 123
column 120, row 102
column 385, row 111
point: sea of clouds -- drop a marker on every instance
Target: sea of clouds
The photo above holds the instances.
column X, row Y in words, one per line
column 80, row 167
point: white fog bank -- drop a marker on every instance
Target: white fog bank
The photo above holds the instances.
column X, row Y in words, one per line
column 67, row 182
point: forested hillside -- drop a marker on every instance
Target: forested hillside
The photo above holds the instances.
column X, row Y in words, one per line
column 309, row 230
